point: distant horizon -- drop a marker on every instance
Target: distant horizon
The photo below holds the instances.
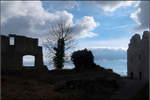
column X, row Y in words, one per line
column 118, row 66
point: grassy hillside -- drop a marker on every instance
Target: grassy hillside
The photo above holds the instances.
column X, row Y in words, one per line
column 58, row 85
column 99, row 84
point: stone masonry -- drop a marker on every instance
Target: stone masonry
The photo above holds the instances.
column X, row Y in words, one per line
column 12, row 54
column 138, row 56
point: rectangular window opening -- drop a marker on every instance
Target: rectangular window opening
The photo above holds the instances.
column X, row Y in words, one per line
column 11, row 41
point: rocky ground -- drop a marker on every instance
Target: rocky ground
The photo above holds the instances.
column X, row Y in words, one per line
column 96, row 84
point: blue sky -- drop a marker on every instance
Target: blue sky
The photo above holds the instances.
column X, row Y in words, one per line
column 114, row 25
column 108, row 20
column 102, row 26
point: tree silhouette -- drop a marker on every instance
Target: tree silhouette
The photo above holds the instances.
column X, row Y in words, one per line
column 60, row 40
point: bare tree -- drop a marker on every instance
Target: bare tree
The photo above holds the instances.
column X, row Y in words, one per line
column 61, row 39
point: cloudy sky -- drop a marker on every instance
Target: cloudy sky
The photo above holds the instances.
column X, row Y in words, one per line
column 100, row 25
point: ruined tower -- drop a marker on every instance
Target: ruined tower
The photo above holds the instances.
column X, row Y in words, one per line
column 15, row 47
column 138, row 56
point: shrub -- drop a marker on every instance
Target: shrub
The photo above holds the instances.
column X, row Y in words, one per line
column 83, row 59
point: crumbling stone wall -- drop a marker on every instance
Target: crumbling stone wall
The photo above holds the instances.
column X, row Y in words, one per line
column 12, row 54
column 138, row 56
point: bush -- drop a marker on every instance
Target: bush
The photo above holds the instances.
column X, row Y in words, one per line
column 83, row 59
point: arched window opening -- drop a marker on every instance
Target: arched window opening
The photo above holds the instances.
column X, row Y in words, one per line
column 28, row 60
column 11, row 41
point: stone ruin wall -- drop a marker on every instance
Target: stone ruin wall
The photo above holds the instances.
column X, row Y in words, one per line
column 138, row 56
column 12, row 55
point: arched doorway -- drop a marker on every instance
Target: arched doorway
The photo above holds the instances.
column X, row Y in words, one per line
column 28, row 60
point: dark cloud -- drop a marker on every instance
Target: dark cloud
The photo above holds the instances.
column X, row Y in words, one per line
column 109, row 54
column 142, row 15
column 31, row 19
column 110, row 58
column 16, row 25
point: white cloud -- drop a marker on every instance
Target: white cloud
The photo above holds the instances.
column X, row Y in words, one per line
column 142, row 15
column 113, row 5
column 62, row 5
column 135, row 17
column 112, row 43
column 31, row 19
column 22, row 17
column 85, row 25
column 21, row 8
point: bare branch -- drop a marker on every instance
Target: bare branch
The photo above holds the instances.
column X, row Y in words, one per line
column 59, row 30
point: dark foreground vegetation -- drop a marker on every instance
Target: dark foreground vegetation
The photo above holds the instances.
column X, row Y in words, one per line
column 97, row 84
column 59, row 85
column 87, row 81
